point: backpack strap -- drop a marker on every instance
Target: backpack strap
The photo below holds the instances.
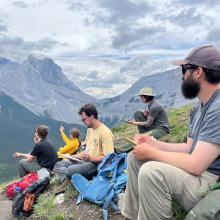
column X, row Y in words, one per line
column 79, row 199
column 108, row 199
column 105, row 214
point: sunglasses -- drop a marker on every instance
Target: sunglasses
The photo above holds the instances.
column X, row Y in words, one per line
column 188, row 67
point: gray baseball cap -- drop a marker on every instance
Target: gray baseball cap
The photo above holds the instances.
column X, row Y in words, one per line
column 206, row 56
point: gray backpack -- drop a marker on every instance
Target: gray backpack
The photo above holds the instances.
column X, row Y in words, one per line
column 207, row 208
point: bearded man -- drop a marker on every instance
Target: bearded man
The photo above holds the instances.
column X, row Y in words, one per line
column 160, row 172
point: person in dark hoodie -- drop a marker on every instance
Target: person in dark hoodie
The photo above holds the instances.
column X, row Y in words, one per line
column 42, row 155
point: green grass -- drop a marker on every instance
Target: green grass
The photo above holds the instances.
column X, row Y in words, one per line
column 178, row 119
column 70, row 193
column 46, row 208
column 178, row 212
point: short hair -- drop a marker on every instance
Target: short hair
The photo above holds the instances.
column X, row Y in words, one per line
column 212, row 76
column 42, row 130
column 89, row 109
column 75, row 133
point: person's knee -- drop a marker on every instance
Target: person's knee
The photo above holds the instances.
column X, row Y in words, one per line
column 131, row 158
column 71, row 170
column 58, row 165
column 137, row 114
column 151, row 172
column 22, row 162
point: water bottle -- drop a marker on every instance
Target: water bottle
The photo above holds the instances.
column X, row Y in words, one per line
column 17, row 190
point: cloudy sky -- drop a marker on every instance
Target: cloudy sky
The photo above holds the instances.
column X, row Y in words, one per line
column 104, row 46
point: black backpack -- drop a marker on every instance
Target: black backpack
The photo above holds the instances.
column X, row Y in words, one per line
column 35, row 188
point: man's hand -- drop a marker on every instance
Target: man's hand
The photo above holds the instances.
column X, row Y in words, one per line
column 131, row 122
column 141, row 152
column 146, row 113
column 17, row 154
column 84, row 156
column 143, row 138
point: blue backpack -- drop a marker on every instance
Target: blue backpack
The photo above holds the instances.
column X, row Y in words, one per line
column 105, row 187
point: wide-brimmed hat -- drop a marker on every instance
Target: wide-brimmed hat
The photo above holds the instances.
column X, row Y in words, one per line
column 146, row 91
column 205, row 56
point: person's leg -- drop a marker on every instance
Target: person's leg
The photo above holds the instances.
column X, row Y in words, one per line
column 86, row 169
column 131, row 201
column 157, row 133
column 159, row 183
column 207, row 208
column 25, row 166
column 139, row 116
column 61, row 167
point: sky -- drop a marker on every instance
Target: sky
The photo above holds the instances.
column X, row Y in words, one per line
column 104, row 46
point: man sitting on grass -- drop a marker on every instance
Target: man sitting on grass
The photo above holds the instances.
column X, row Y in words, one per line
column 154, row 119
column 99, row 143
column 42, row 155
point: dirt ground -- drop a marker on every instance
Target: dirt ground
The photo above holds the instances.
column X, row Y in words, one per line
column 84, row 211
column 5, row 209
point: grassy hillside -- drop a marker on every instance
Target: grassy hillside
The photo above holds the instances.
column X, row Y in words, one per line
column 178, row 119
column 46, row 209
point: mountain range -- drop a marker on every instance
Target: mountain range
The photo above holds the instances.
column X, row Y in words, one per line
column 40, row 86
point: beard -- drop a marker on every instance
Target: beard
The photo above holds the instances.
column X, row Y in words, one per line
column 190, row 88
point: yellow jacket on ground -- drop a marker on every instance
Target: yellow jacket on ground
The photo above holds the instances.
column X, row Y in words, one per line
column 71, row 145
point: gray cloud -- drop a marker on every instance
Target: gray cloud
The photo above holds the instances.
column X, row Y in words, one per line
column 8, row 46
column 120, row 16
column 128, row 37
column 20, row 4
column 119, row 11
column 43, row 44
column 75, row 5
column 196, row 2
column 3, row 28
column 28, row 4
column 186, row 16
column 83, row 6
column 214, row 36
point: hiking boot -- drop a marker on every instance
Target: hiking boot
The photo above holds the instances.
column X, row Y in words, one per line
column 62, row 187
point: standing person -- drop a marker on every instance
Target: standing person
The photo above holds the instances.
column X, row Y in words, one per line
column 99, row 143
column 42, row 155
column 154, row 120
column 72, row 143
column 160, row 172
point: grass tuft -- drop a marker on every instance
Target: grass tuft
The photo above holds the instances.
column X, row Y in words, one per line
column 46, row 209
column 70, row 193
